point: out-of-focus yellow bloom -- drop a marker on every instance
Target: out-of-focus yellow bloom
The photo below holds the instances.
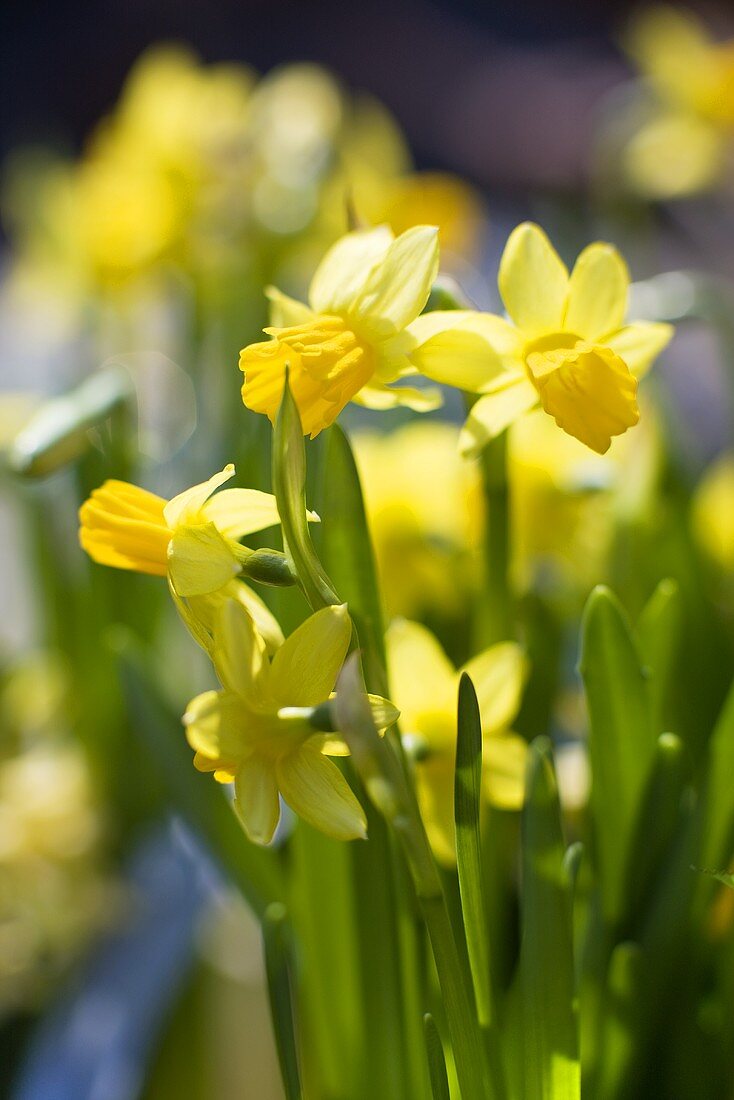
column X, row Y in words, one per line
column 256, row 731
column 425, row 513
column 356, row 337
column 425, row 686
column 713, row 512
column 682, row 141
column 565, row 346
column 192, row 539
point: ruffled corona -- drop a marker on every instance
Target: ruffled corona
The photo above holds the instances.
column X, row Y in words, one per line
column 123, row 525
column 327, row 363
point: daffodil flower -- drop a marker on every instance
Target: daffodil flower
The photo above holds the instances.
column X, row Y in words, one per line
column 257, row 732
column 354, row 338
column 425, row 687
column 192, row 539
column 565, row 347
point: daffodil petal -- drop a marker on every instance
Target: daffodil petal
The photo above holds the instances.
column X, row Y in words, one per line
column 597, row 292
column 435, row 788
column 184, row 507
column 316, row 790
column 533, row 281
column 200, row 561
column 504, row 762
column 639, row 344
column 213, row 722
column 285, row 311
column 240, row 512
column 305, row 668
column 421, row 676
column 375, row 396
column 263, row 618
column 494, row 412
column 239, row 654
column 256, row 798
column 399, row 284
column 452, row 348
column 498, row 675
column 345, row 268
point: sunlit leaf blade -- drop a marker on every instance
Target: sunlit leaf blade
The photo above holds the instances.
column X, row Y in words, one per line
column 550, row 1058
column 58, row 432
column 719, row 791
column 289, row 486
column 347, row 553
column 436, row 1061
column 467, row 794
column 621, row 740
column 277, row 967
column 658, row 634
column 198, row 799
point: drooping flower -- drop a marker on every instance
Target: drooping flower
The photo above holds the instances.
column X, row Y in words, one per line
column 354, row 339
column 256, row 731
column 565, row 347
column 192, row 539
column 425, row 687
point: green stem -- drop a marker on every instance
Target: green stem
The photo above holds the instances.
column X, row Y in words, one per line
column 497, row 614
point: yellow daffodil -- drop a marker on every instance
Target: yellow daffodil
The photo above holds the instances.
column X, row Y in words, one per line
column 565, row 347
column 713, row 512
column 681, row 137
column 256, row 731
column 192, row 539
column 355, row 338
column 425, row 686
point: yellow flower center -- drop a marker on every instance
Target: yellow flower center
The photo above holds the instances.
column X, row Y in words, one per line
column 123, row 525
column 328, row 364
column 586, row 388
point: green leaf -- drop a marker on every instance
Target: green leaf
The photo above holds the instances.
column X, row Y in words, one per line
column 725, row 877
column 718, row 799
column 59, row 432
column 467, row 795
column 347, row 552
column 621, row 741
column 436, row 1060
column 621, row 1022
column 197, row 797
column 550, row 1055
column 277, row 967
column 289, row 486
column 659, row 633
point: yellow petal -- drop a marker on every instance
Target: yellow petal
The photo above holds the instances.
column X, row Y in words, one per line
column 240, row 512
column 239, row 654
column 498, row 675
column 376, row 396
column 263, row 618
column 452, row 348
column 184, row 508
column 200, row 560
column 316, row 790
column 494, row 412
column 597, row 292
column 214, row 722
column 122, row 525
column 345, row 268
column 533, row 281
column 435, row 788
column 588, row 391
column 640, row 343
column 256, row 798
column 305, row 668
column 504, row 761
column 421, row 676
column 399, row 283
column 285, row 311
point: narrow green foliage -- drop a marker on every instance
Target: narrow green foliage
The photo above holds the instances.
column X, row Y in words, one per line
column 621, row 741
column 719, row 792
column 59, row 432
column 659, row 633
column 621, row 1022
column 496, row 611
column 277, row 967
column 436, row 1060
column 725, row 877
column 550, row 1057
column 467, row 795
column 255, row 871
column 289, row 486
column 347, row 552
